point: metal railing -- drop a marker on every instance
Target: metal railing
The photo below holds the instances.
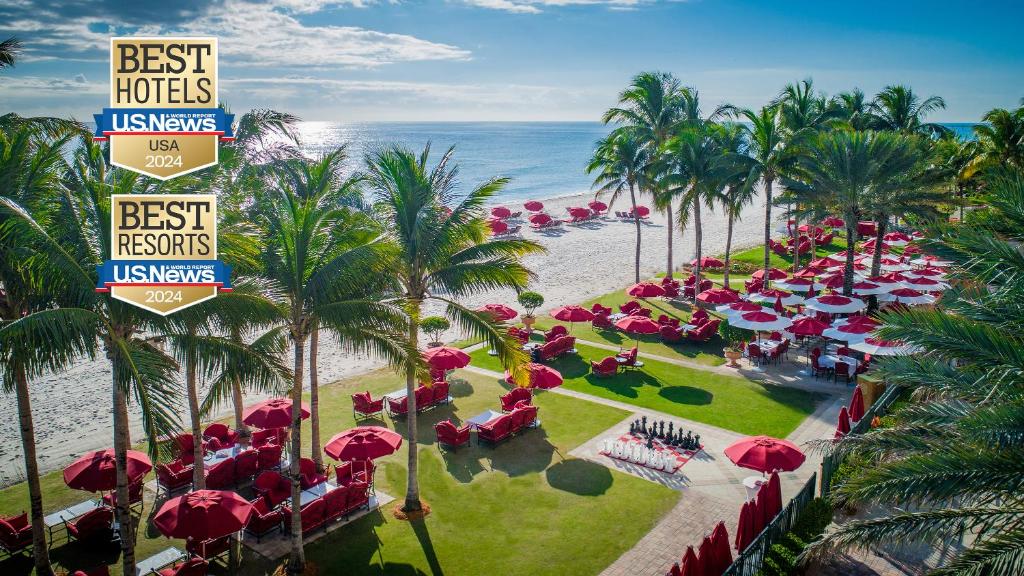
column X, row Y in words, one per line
column 750, row 560
column 830, row 463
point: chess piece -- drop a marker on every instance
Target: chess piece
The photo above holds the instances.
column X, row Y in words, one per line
column 688, row 441
column 670, row 436
column 696, row 442
column 650, row 443
column 632, row 428
column 643, row 424
column 661, row 429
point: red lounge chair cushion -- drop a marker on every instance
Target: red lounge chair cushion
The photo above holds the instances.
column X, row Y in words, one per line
column 670, row 334
column 222, row 433
column 222, row 475
column 190, row 567
column 400, row 406
column 208, row 549
column 605, row 367
column 308, row 474
column 92, row 524
column 269, row 457
column 440, row 392
column 15, row 532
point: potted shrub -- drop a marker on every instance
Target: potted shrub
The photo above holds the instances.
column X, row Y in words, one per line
column 434, row 326
column 734, row 338
column 531, row 301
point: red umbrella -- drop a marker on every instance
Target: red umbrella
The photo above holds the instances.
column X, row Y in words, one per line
column 363, row 443
column 774, row 491
column 638, row 325
column 645, row 290
column 203, row 514
column 807, row 326
column 811, row 271
column 446, row 358
column 541, row 376
column 497, row 226
column 843, row 428
column 691, row 564
column 642, row 211
column 723, row 553
column 778, row 305
column 578, row 211
column 762, row 508
column 719, row 296
column 500, row 212
column 745, row 529
column 773, row 274
column 572, row 314
column 741, row 307
column 708, row 262
column 500, row 312
column 834, row 281
column 764, row 454
column 273, row 413
column 857, row 404
column 539, row 218
column 598, row 206
column 675, row 570
column 833, row 222
column 533, row 206
column 706, row 555
column 97, row 471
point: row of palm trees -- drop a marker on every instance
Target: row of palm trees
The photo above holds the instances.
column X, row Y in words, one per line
column 316, row 249
column 878, row 160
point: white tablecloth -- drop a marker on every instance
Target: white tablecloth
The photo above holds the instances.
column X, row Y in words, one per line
column 829, row 361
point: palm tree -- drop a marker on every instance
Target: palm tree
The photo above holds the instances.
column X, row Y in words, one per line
column 72, row 249
column 316, row 254
column 1001, row 137
column 846, row 170
column 898, row 109
column 734, row 195
column 947, row 465
column 852, row 108
column 622, row 163
column 958, row 161
column 441, row 257
column 652, row 106
column 802, row 109
column 29, row 176
column 9, row 50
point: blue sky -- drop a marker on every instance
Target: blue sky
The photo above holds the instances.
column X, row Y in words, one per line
column 523, row 59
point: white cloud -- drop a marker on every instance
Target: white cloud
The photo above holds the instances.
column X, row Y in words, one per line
column 534, row 6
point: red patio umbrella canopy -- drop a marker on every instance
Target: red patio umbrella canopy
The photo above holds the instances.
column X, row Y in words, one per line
column 719, row 296
column 843, row 426
column 857, row 404
column 807, row 326
column 706, row 555
column 745, row 306
column 501, row 212
column 645, row 290
column 691, row 564
column 723, row 553
column 543, row 377
column 363, row 443
column 598, row 206
column 708, row 262
column 745, row 528
column 533, row 206
column 765, row 454
column 834, row 300
column 572, row 314
column 539, row 218
column 273, row 413
column 833, row 222
column 97, row 471
column 500, row 312
column 638, row 325
column 203, row 514
column 773, row 273
column 446, row 358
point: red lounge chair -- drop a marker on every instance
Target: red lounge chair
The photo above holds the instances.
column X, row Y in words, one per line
column 598, row 309
column 94, row 525
column 269, row 457
column 704, row 333
column 172, row 477
column 264, row 520
column 358, row 496
column 556, row 331
column 495, row 431
column 222, row 433
column 398, row 407
column 424, row 397
column 343, row 473
column 335, row 503
column 100, row 570
column 440, row 393
column 364, row 406
column 557, row 347
column 273, row 487
column 601, row 321
column 450, row 435
column 312, row 515
column 247, row 463
column 753, row 286
column 630, row 358
column 670, row 334
column 15, row 533
column 629, row 307
column 515, row 396
column 190, row 567
column 646, row 312
column 262, row 438
column 186, row 445
column 308, row 474
column 607, row 367
column 209, row 549
column 134, row 495
column 671, row 292
column 699, row 317
column 221, row 476
column 520, row 335
column 518, row 420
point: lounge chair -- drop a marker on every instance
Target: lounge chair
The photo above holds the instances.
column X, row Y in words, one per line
column 273, row 487
column 312, row 515
column 556, row 331
column 186, row 448
column 264, row 519
column 134, row 495
column 522, row 336
column 398, row 407
column 495, row 431
column 450, row 435
column 269, row 457
column 630, row 358
column 669, row 334
column 93, row 526
column 601, row 321
column 15, row 533
column 515, row 396
column 222, row 433
column 364, row 406
column 209, row 549
column 247, row 464
column 172, row 477
column 705, row 332
column 609, row 366
column 221, row 475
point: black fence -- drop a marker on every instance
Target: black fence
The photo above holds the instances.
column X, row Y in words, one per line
column 749, row 562
column 830, row 463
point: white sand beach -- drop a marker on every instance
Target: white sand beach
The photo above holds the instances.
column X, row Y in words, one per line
column 72, row 409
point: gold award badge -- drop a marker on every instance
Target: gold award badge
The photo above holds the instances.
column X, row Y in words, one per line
column 163, row 251
column 164, row 119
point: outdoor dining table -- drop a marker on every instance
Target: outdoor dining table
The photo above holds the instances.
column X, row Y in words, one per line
column 616, row 317
column 829, row 361
column 482, row 418
column 211, row 460
column 688, row 327
column 153, row 564
column 768, row 345
column 530, row 346
column 68, row 514
column 397, row 394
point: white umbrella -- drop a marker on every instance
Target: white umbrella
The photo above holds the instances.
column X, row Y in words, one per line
column 925, row 284
column 769, row 296
column 907, row 296
column 761, row 321
column 835, row 304
column 857, row 267
column 849, row 332
column 879, row 347
column 926, row 261
column 738, row 308
column 797, row 284
column 933, row 273
column 895, row 267
column 866, row 288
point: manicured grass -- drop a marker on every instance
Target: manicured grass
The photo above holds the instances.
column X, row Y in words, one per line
column 494, row 510
column 722, row 400
column 753, row 258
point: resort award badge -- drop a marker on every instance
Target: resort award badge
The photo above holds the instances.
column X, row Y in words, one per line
column 164, row 121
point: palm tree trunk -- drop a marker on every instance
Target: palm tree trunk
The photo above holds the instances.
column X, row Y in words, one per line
column 412, row 492
column 40, row 551
column 314, row 399
column 198, row 472
column 239, row 405
column 122, row 511
column 814, row 249
column 796, row 243
column 669, row 266
column 851, row 224
column 767, row 228
column 876, row 259
column 636, row 220
column 297, row 558
column 728, row 248
column 698, row 233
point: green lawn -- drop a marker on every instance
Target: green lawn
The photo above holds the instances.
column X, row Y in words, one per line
column 753, row 258
column 726, row 401
column 499, row 510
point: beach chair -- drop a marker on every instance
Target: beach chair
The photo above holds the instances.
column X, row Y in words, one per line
column 608, row 366
column 264, row 519
column 448, row 434
column 364, row 406
column 15, row 533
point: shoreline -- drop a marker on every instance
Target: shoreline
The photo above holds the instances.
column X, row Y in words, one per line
column 71, row 410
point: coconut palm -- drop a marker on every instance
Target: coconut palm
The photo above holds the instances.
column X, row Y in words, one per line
column 622, row 163
column 71, row 250
column 803, row 109
column 317, row 256
column 852, row 108
column 1001, row 137
column 734, row 195
column 899, row 109
column 947, row 466
column 958, row 160
column 845, row 170
column 9, row 50
column 652, row 107
column 442, row 257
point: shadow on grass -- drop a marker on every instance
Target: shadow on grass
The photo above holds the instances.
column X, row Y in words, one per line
column 18, row 564
column 526, row 453
column 459, row 388
column 423, row 536
column 624, row 384
column 84, row 555
column 686, row 395
column 580, row 477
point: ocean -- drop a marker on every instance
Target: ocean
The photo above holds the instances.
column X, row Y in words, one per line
column 543, row 159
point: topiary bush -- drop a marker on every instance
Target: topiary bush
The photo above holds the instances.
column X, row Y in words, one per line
column 531, row 301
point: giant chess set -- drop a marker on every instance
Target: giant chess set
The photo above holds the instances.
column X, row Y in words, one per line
column 656, row 445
